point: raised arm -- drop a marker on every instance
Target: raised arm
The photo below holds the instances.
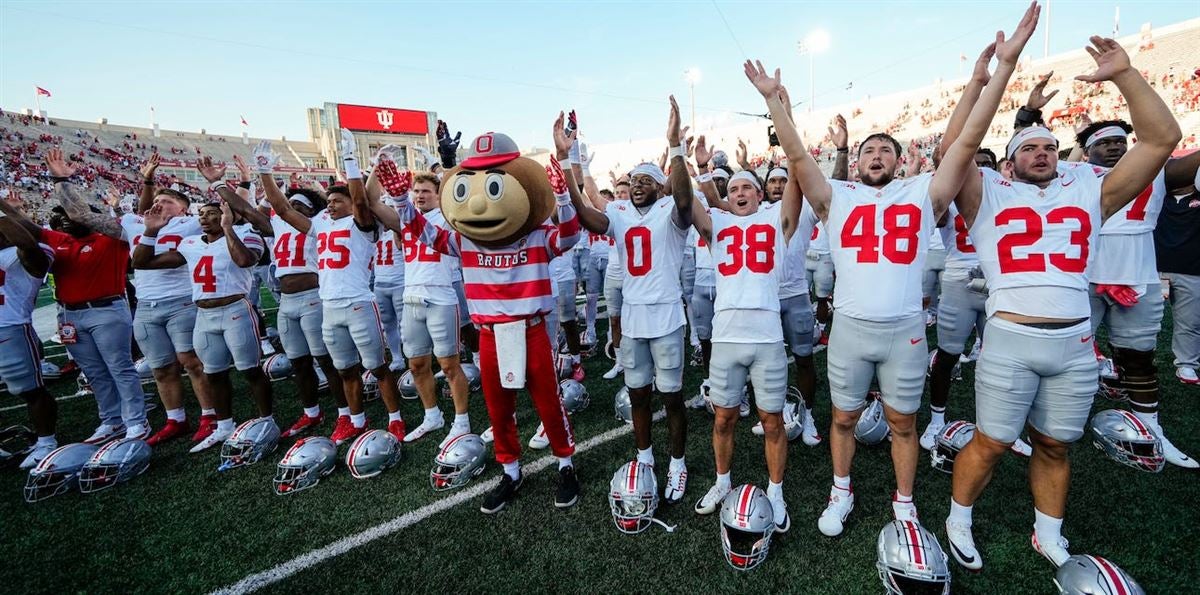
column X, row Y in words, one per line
column 591, row 218
column 143, row 256
column 679, row 180
column 568, row 232
column 75, row 205
column 14, row 229
column 1182, row 171
column 147, row 196
column 264, row 162
column 243, row 254
column 1157, row 131
column 363, row 217
column 399, row 183
column 816, row 188
column 215, row 174
column 840, row 138
column 953, row 182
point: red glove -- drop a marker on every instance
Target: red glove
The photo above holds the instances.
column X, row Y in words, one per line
column 558, row 181
column 395, row 182
column 1121, row 294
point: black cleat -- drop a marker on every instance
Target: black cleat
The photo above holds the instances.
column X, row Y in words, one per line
column 568, row 488
column 498, row 498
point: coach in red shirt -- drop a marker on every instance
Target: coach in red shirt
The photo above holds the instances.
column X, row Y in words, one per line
column 94, row 321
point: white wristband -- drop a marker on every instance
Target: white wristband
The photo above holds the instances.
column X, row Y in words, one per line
column 352, row 169
column 704, row 178
column 217, row 185
column 676, row 152
column 565, row 164
column 148, row 241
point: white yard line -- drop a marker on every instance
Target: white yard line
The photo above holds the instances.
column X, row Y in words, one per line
column 346, row 544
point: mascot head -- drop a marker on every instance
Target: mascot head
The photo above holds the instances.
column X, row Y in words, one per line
column 495, row 196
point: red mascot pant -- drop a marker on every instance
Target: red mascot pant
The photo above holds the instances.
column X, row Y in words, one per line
column 541, row 380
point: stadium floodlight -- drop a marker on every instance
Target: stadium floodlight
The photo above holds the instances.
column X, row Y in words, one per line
column 816, row 42
column 692, row 75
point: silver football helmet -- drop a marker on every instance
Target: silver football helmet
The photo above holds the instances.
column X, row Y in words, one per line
column 747, row 524
column 1093, row 575
column 51, row 371
column 564, row 364
column 872, row 427
column 15, row 443
column 277, row 367
column 372, row 453
column 458, row 463
column 1127, row 440
column 623, row 406
column 249, row 443
column 84, row 387
column 955, row 374
column 370, row 386
column 910, row 560
column 304, row 464
column 633, row 497
column 793, row 413
column 116, row 462
column 58, row 472
column 574, row 396
column 950, row 441
column 408, row 386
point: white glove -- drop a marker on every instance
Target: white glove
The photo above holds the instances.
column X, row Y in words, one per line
column 427, row 156
column 348, row 145
column 573, row 154
column 264, row 159
column 393, row 152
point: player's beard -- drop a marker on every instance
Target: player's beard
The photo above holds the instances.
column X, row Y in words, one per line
column 884, row 178
column 1024, row 175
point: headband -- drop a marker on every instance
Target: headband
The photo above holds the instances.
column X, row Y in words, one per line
column 778, row 172
column 300, row 198
column 1106, row 132
column 720, row 173
column 745, row 175
column 1028, row 134
column 651, row 170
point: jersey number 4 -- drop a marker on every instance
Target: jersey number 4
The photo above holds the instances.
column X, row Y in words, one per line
column 204, row 276
column 753, row 248
column 333, row 249
column 900, row 222
column 1035, row 262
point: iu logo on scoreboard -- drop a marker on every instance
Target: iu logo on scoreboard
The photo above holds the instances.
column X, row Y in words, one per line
column 385, row 118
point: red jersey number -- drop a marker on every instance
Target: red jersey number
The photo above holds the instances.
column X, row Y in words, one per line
column 753, row 249
column 899, row 241
column 1035, row 262
column 637, row 251
column 414, row 250
column 1137, row 212
column 289, row 249
column 961, row 239
column 333, row 249
column 203, row 274
column 385, row 253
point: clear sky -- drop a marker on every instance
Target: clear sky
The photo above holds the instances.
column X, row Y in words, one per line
column 505, row 66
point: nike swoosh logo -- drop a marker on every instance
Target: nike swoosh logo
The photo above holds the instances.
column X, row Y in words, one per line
column 4, row 341
column 358, row 308
column 915, row 341
column 235, row 317
column 965, row 558
column 1065, row 184
column 1085, row 339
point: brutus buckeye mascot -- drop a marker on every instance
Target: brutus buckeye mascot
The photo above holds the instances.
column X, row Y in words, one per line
column 499, row 207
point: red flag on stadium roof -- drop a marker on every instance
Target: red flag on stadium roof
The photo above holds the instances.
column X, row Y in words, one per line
column 244, row 122
column 41, row 91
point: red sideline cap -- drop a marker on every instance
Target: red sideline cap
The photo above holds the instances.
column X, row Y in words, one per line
column 491, row 148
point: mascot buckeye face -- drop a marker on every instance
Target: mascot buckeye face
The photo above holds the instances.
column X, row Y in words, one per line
column 495, row 196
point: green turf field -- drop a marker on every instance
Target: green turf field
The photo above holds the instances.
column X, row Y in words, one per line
column 184, row 528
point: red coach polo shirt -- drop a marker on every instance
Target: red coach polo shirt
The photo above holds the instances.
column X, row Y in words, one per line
column 87, row 268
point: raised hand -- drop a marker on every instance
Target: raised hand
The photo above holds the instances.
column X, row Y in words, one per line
column 264, row 158
column 426, row 156
column 1037, row 96
column 1111, row 60
column 227, row 218
column 585, row 157
column 563, row 139
column 1009, row 51
column 558, row 180
column 112, row 197
column 703, row 151
column 742, row 153
column 211, row 171
column 980, row 74
column 447, row 146
column 837, row 132
column 155, row 219
column 767, row 85
column 348, row 146
column 395, row 182
column 1084, row 121
column 57, row 166
column 674, row 135
column 392, row 152
column 148, row 168
column 243, row 169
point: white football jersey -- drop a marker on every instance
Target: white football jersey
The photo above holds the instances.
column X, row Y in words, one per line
column 1125, row 252
column 793, row 279
column 345, row 255
column 600, row 246
column 212, row 270
column 960, row 252
column 429, row 274
column 562, row 269
column 161, row 284
column 879, row 238
column 1035, row 245
column 389, row 260
column 705, row 275
column 649, row 250
column 293, row 253
column 819, row 240
column 18, row 289
column 748, row 253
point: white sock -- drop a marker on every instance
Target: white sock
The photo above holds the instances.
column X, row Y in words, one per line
column 723, row 480
column 432, row 414
column 513, row 470
column 208, row 412
column 1047, row 528
column 225, row 425
column 358, row 419
column 394, row 416
column 1150, row 419
column 775, row 490
column 564, row 462
column 314, row 411
column 937, row 416
column 901, row 502
column 960, row 514
column 462, row 420
column 841, row 483
column 646, row 456
column 677, row 464
column 179, row 415
column 575, row 359
column 343, row 412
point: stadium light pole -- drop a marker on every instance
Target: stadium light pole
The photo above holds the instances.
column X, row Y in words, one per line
column 692, row 75
column 816, row 42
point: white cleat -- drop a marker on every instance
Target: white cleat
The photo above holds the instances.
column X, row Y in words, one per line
column 215, row 438
column 455, row 432
column 757, row 430
column 1022, row 448
column 929, row 436
column 1056, row 553
column 1175, row 456
column 962, row 546
column 426, row 427
column 1108, row 370
column 783, row 522
column 140, row 432
column 589, row 336
column 487, row 436
column 832, row 520
column 1187, row 375
column 614, row 371
column 809, row 433
column 712, row 499
column 676, row 485
column 905, row 511
column 539, row 440
column 700, row 401
column 266, row 347
column 104, row 433
column 37, row 454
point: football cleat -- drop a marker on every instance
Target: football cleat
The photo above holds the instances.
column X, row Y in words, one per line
column 1187, row 375
column 712, row 499
column 833, row 518
column 929, row 436
column 783, row 522
column 809, row 432
column 427, row 426
column 36, row 455
column 1056, row 552
column 1022, row 448
column 344, row 430
column 962, row 545
column 208, row 423
column 676, row 485
column 1175, row 456
column 567, row 493
column 104, row 433
column 487, row 436
column 304, row 424
column 171, row 430
column 395, row 427
column 216, row 436
column 502, row 494
column 539, row 439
